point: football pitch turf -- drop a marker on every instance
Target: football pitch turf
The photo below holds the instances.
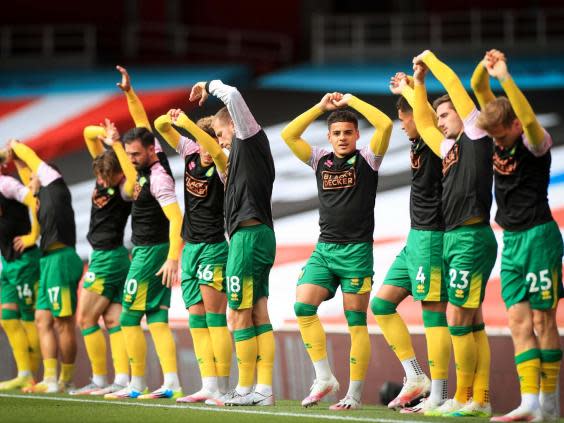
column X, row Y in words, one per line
column 17, row 407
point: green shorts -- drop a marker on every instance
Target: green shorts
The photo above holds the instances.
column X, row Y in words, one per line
column 61, row 271
column 107, row 272
column 531, row 266
column 418, row 267
column 331, row 265
column 143, row 289
column 251, row 255
column 469, row 254
column 19, row 280
column 202, row 264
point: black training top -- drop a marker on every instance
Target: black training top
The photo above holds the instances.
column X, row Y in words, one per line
column 521, row 186
column 250, row 177
column 425, row 199
column 108, row 217
column 346, row 188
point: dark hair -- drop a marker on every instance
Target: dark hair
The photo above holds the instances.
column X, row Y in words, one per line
column 106, row 165
column 442, row 99
column 142, row 134
column 403, row 106
column 342, row 116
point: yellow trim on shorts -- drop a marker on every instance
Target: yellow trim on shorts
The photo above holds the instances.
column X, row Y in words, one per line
column 66, row 309
column 140, row 302
column 366, row 285
column 473, row 300
column 434, row 293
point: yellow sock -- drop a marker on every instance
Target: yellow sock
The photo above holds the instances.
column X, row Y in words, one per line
column 465, row 357
column 438, row 343
column 136, row 349
column 246, row 350
column 33, row 342
column 18, row 341
column 393, row 327
column 202, row 345
column 165, row 346
column 221, row 342
column 67, row 373
column 50, row 368
column 481, row 386
column 313, row 337
column 265, row 356
column 550, row 369
column 360, row 345
column 96, row 349
column 396, row 334
column 528, row 369
column 119, row 352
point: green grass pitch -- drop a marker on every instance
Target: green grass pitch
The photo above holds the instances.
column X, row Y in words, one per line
column 18, row 407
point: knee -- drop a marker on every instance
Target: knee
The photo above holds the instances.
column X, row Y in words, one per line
column 304, row 310
column 521, row 325
column 85, row 321
column 382, row 307
column 43, row 321
column 111, row 320
column 544, row 323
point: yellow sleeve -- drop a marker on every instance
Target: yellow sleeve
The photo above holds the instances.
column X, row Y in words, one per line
column 94, row 145
column 164, row 127
column 480, row 84
column 531, row 126
column 409, row 94
column 383, row 124
column 127, row 168
column 424, row 121
column 27, row 155
column 462, row 102
column 24, row 172
column 136, row 110
column 31, row 202
column 205, row 140
column 292, row 133
column 174, row 216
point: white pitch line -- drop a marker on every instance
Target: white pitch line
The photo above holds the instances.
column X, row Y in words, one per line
column 215, row 409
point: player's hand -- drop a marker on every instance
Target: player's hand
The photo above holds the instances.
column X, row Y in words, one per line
column 419, row 73
column 125, row 84
column 496, row 64
column 111, row 133
column 169, row 272
column 419, row 58
column 327, row 103
column 398, row 82
column 199, row 93
column 19, row 244
column 341, row 100
column 174, row 114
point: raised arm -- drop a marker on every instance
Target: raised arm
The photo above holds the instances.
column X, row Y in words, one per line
column 292, row 133
column 462, row 102
column 243, row 120
column 136, row 109
column 26, row 155
column 531, row 126
column 480, row 84
column 204, row 139
column 164, row 127
column 402, row 84
column 383, row 124
column 91, row 138
column 110, row 137
column 424, row 118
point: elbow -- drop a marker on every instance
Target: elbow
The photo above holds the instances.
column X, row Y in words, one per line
column 161, row 123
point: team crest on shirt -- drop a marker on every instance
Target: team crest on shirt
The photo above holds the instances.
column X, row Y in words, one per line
column 333, row 180
column 101, row 198
column 196, row 187
column 138, row 186
column 504, row 163
column 451, row 158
